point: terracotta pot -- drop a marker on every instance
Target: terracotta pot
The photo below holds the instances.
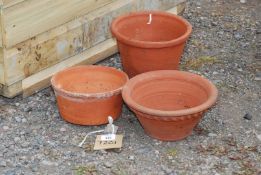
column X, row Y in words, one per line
column 146, row 47
column 169, row 103
column 87, row 95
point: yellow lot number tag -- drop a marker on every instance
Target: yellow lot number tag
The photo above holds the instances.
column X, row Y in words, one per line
column 108, row 141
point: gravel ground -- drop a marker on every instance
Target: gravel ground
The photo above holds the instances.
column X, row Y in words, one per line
column 35, row 140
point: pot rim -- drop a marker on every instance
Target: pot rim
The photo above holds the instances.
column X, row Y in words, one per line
column 151, row 44
column 105, row 94
column 126, row 93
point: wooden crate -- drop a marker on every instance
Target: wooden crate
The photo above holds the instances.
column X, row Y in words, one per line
column 39, row 38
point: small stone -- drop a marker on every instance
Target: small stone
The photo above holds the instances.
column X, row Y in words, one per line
column 240, row 70
column 10, row 172
column 2, row 164
column 46, row 152
column 131, row 157
column 5, row 127
column 157, row 143
column 83, row 154
column 170, row 157
column 16, row 139
column 103, row 151
column 143, row 150
column 27, row 109
column 220, row 33
column 258, row 76
column 48, row 163
column 212, row 135
column 258, row 54
column 63, row 129
column 100, row 158
column 248, row 116
column 217, row 81
column 215, row 73
column 18, row 119
column 258, row 136
column 108, row 164
column 214, row 23
column 34, row 169
column 17, row 104
column 167, row 170
column 238, row 36
column 24, row 120
column 116, row 150
column 22, row 133
column 249, row 132
column 198, row 3
column 25, row 144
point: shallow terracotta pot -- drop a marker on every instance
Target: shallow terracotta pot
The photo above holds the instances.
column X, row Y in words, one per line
column 147, row 45
column 169, row 103
column 87, row 95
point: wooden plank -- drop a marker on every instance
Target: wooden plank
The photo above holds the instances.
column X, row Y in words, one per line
column 179, row 9
column 29, row 18
column 16, row 88
column 37, row 54
column 9, row 3
column 11, row 91
column 2, row 72
column 24, row 61
column 1, row 27
column 49, row 48
column 41, row 80
column 78, row 22
column 2, row 80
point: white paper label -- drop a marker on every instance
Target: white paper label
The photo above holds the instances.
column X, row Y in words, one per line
column 108, row 137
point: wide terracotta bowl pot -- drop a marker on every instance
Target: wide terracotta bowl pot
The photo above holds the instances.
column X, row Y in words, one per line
column 87, row 95
column 169, row 103
column 150, row 40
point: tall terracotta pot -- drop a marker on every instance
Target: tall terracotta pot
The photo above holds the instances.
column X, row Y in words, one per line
column 150, row 40
column 169, row 103
column 87, row 95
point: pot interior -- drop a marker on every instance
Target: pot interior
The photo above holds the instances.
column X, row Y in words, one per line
column 162, row 28
column 90, row 79
column 169, row 94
